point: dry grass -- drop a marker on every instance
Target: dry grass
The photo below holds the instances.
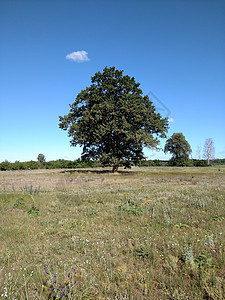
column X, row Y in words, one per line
column 152, row 233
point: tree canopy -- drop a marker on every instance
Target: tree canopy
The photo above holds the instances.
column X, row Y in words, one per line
column 40, row 159
column 113, row 121
column 179, row 148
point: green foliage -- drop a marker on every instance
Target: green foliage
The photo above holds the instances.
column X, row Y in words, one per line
column 199, row 163
column 41, row 158
column 53, row 164
column 5, row 166
column 152, row 163
column 112, row 120
column 17, row 165
column 19, row 202
column 93, row 212
column 179, row 148
column 218, row 218
column 30, row 165
column 182, row 226
column 78, row 163
column 218, row 161
column 144, row 252
column 68, row 164
column 129, row 206
column 201, row 260
column 33, row 211
column 59, row 164
column 188, row 163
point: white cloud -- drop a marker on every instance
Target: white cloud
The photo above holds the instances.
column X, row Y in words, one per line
column 171, row 120
column 78, row 56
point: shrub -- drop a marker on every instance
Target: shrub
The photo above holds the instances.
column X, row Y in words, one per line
column 5, row 166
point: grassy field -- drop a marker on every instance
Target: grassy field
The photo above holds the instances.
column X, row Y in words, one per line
column 151, row 233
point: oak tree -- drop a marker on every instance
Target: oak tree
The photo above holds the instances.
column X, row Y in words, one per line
column 179, row 148
column 113, row 121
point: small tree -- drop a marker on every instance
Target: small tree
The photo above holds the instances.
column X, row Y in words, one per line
column 113, row 121
column 179, row 148
column 40, row 159
column 209, row 150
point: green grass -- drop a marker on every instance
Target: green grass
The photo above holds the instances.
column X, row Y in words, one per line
column 156, row 233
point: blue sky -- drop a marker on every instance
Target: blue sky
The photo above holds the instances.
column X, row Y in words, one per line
column 175, row 49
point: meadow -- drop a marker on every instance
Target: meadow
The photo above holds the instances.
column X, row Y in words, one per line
column 147, row 233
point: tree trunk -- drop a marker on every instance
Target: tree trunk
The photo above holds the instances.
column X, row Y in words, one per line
column 115, row 168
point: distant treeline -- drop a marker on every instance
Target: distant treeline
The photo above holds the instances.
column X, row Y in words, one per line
column 68, row 164
column 188, row 163
column 52, row 164
column 218, row 161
